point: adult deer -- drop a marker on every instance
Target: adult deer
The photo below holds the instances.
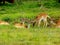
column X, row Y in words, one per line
column 55, row 22
column 58, row 23
column 27, row 21
column 4, row 23
column 20, row 25
column 42, row 17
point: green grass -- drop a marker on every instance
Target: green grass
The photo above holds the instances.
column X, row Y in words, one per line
column 9, row 35
column 32, row 36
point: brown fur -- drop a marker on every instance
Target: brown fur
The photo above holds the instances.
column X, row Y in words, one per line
column 20, row 25
column 4, row 23
column 58, row 23
column 42, row 16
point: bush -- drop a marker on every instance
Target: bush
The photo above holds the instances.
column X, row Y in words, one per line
column 6, row 19
column 49, row 3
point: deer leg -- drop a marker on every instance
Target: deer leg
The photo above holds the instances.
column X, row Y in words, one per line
column 45, row 22
column 39, row 22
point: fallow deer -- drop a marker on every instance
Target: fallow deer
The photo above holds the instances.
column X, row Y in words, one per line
column 27, row 21
column 58, row 23
column 55, row 22
column 42, row 17
column 4, row 23
column 20, row 25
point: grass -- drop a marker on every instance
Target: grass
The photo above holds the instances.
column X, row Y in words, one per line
column 32, row 36
column 9, row 35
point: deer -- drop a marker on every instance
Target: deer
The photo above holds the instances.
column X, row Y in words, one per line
column 58, row 24
column 27, row 21
column 20, row 25
column 4, row 23
column 42, row 17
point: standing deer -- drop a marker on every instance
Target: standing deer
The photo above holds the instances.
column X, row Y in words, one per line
column 42, row 17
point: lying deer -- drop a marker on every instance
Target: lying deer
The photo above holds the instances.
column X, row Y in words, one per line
column 58, row 23
column 20, row 25
column 4, row 23
column 55, row 23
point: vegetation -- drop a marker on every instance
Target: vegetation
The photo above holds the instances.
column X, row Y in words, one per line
column 9, row 35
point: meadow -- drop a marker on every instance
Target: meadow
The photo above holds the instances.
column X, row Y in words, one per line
column 9, row 35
